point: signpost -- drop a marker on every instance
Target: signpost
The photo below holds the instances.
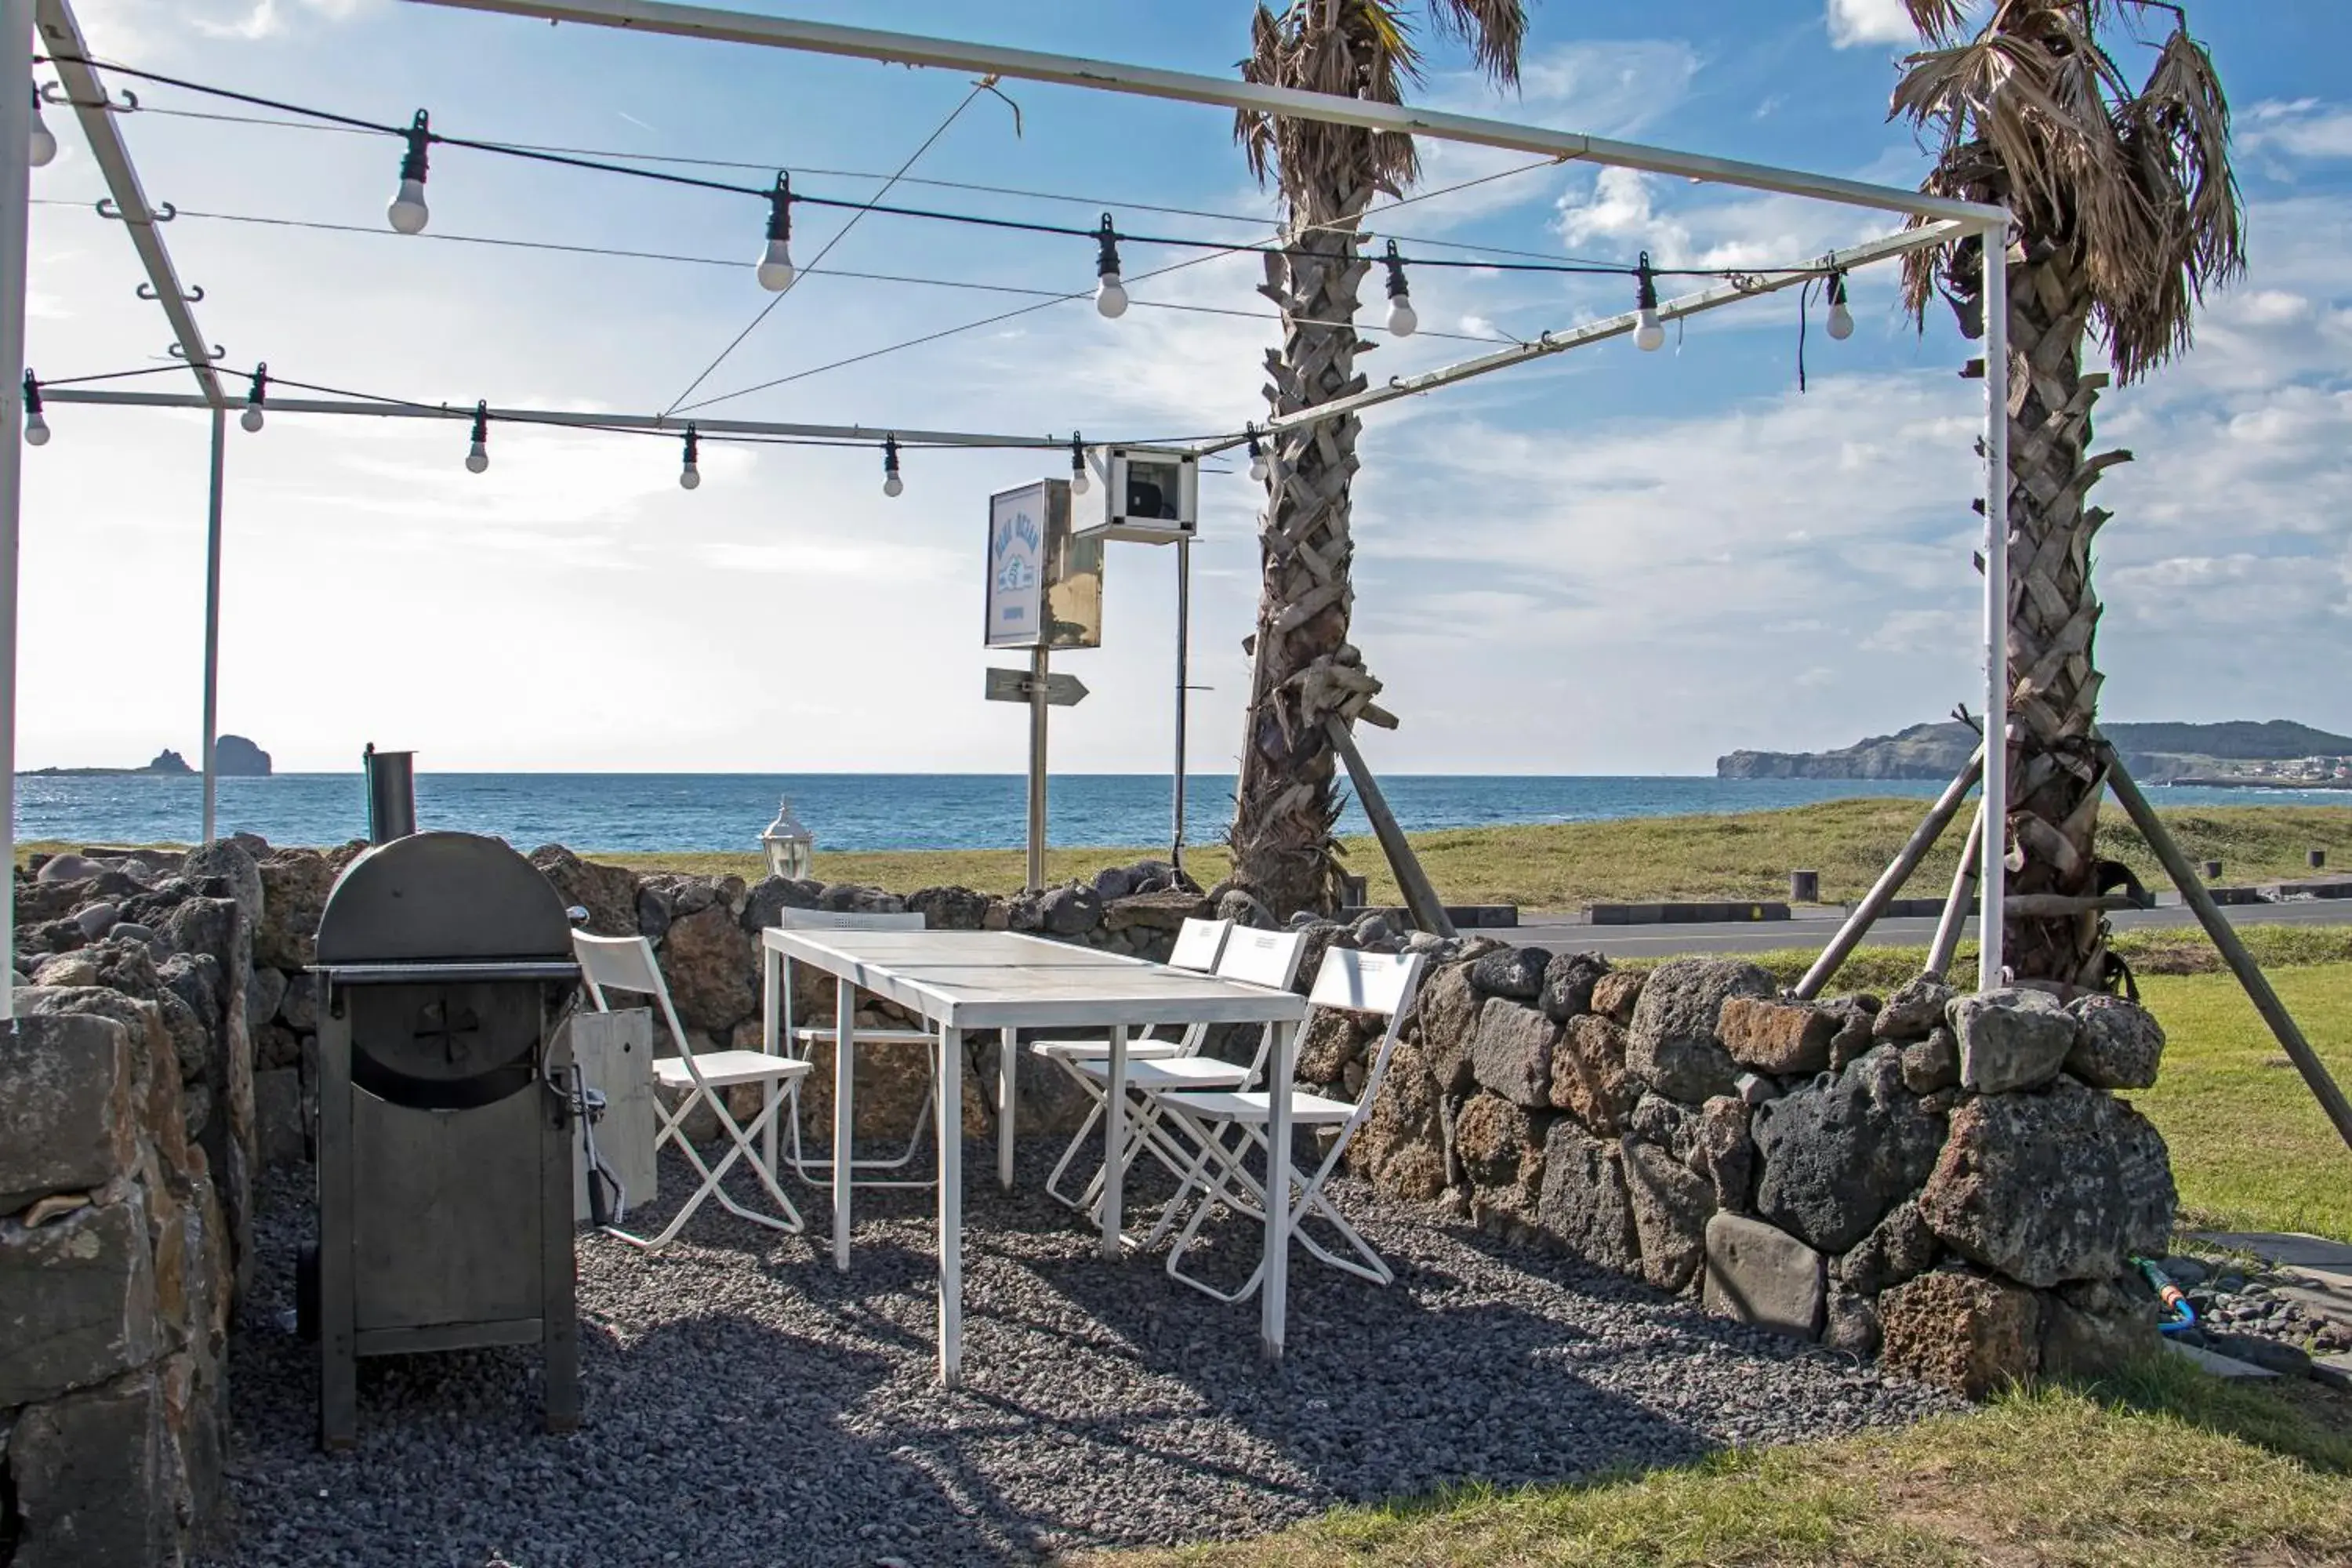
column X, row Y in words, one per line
column 1045, row 591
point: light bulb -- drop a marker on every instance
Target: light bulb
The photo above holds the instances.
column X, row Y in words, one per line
column 689, row 477
column 1110, row 296
column 37, row 429
column 1403, row 320
column 776, row 267
column 1260, row 468
column 251, row 418
column 44, row 145
column 478, row 458
column 892, row 485
column 1651, row 335
column 1079, row 484
column 1840, row 321
column 407, row 211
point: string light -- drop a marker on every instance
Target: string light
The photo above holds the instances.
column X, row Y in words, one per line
column 1259, row 467
column 37, row 429
column 1649, row 332
column 892, row 485
column 251, row 418
column 1841, row 316
column 776, row 261
column 1110, row 294
column 407, row 212
column 1403, row 320
column 690, row 476
column 478, row 457
column 44, row 145
column 1079, row 481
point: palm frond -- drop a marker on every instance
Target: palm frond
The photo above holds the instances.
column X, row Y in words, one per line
column 1494, row 31
column 1939, row 21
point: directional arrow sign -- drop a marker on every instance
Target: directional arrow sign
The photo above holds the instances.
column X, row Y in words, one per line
column 1012, row 686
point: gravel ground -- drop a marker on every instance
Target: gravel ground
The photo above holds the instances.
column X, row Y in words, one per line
column 747, row 1404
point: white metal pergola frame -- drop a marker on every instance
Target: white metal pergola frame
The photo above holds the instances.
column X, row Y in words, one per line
column 1934, row 220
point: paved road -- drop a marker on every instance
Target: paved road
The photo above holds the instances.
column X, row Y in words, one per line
column 1562, row 935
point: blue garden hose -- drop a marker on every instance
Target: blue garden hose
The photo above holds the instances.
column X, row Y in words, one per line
column 2181, row 1316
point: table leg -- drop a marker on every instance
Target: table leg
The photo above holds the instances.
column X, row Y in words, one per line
column 1274, row 1290
column 771, row 1032
column 949, row 1118
column 1008, row 1077
column 845, row 1073
column 1114, row 1140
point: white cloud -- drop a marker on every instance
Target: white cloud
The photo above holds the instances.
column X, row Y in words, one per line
column 1855, row 22
column 2304, row 128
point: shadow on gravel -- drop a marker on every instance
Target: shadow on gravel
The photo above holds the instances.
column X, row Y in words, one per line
column 748, row 1404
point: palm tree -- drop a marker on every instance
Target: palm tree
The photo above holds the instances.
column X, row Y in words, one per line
column 1305, row 670
column 2124, row 210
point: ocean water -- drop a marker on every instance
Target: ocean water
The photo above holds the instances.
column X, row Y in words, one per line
column 885, row 811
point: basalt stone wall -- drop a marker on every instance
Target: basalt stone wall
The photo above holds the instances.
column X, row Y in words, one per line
column 1946, row 1179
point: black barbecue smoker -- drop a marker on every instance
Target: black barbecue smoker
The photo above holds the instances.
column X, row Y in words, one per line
column 445, row 1123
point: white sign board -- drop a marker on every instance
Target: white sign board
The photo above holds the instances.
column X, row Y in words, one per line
column 1016, row 567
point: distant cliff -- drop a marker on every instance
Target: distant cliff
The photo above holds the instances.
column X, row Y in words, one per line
column 2154, row 753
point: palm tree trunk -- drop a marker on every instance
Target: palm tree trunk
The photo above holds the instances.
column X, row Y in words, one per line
column 1283, row 850
column 2056, row 784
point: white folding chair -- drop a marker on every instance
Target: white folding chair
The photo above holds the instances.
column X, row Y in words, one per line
column 1198, row 945
column 1219, row 1172
column 802, row 1042
column 627, row 963
column 1268, row 958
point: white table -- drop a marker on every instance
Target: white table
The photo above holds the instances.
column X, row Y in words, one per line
column 962, row 981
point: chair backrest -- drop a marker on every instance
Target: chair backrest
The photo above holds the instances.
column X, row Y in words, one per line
column 625, row 963
column 844, row 919
column 1268, row 958
column 1368, row 983
column 1198, row 943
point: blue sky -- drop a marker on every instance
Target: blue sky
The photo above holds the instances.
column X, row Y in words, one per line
column 1607, row 562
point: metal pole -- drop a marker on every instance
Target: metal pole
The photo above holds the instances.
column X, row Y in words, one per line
column 1038, row 675
column 1183, row 674
column 212, row 622
column 1946, row 944
column 1147, row 81
column 2225, row 938
column 1991, row 878
column 1420, row 898
column 15, row 202
column 1890, row 881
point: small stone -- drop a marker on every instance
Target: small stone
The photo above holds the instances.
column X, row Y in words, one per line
column 1569, row 982
column 1671, row 1208
column 99, row 919
column 1851, row 1323
column 1616, row 994
column 1754, row 1089
column 1780, row 1037
column 1900, row 1247
column 1934, row 1063
column 1967, row 1333
column 1516, row 972
column 1587, row 1073
column 2011, row 1040
column 1760, row 1274
column 2185, row 1272
column 2118, row 1044
column 1448, row 1008
column 1495, row 1140
column 1583, row 1204
column 1911, row 1011
column 76, row 1300
column 1513, row 1053
column 1725, row 1153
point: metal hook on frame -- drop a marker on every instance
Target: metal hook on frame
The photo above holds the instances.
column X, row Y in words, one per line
column 214, row 357
column 53, row 93
column 110, row 208
column 193, row 294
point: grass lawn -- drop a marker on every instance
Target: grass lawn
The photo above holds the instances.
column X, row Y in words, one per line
column 2163, row 1466
column 1559, row 866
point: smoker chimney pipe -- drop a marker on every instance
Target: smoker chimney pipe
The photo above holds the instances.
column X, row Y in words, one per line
column 392, row 794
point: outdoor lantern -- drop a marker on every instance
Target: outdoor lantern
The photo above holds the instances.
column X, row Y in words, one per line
column 787, row 843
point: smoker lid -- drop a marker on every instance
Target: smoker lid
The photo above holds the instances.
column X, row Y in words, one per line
column 450, row 896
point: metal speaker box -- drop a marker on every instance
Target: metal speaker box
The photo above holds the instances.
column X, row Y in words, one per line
column 1150, row 496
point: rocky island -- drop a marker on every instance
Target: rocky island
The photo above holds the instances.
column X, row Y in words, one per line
column 233, row 755
column 2278, row 753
